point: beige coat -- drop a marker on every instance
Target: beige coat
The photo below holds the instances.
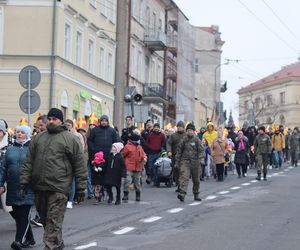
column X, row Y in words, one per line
column 218, row 149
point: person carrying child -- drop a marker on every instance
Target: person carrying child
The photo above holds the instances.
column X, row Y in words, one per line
column 135, row 158
column 115, row 170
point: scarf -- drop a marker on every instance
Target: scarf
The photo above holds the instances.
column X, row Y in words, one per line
column 22, row 142
column 241, row 145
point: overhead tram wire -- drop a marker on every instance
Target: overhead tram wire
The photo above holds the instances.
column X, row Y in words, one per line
column 281, row 21
column 267, row 27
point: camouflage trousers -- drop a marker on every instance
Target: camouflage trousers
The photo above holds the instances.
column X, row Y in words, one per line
column 187, row 169
column 175, row 171
column 133, row 177
column 262, row 163
column 294, row 156
column 51, row 207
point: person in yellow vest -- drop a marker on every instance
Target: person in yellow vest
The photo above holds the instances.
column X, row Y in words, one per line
column 278, row 144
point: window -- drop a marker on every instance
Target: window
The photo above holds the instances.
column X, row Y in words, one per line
column 154, row 22
column 246, row 105
column 110, row 68
column 282, row 98
column 93, row 3
column 257, row 103
column 142, row 11
column 159, row 74
column 160, row 28
column 269, row 100
column 67, row 42
column 78, row 48
column 101, row 62
column 110, row 10
column 75, row 114
column 1, row 30
column 147, row 18
column 91, row 56
column 196, row 65
column 103, row 7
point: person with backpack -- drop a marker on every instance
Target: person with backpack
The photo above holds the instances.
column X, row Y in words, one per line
column 189, row 156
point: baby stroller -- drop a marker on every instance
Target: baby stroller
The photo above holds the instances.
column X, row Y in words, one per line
column 163, row 170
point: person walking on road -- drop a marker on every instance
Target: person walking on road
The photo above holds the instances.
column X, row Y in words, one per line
column 154, row 144
column 218, row 151
column 172, row 145
column 294, row 145
column 135, row 158
column 189, row 155
column 126, row 132
column 54, row 158
column 278, row 143
column 262, row 151
column 10, row 169
column 241, row 158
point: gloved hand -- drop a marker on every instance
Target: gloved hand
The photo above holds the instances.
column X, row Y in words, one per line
column 80, row 196
column 23, row 191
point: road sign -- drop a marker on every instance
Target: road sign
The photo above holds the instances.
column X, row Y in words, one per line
column 30, row 74
column 35, row 102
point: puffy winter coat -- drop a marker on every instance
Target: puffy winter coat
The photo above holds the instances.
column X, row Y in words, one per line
column 10, row 171
column 210, row 136
column 115, row 169
column 218, row 150
column 134, row 156
column 53, row 159
column 241, row 156
column 278, row 142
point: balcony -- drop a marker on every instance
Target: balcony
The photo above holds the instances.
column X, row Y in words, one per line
column 154, row 93
column 155, row 40
column 174, row 24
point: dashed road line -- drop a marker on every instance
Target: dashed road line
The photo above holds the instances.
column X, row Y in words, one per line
column 175, row 210
column 286, row 170
column 151, row 219
column 93, row 244
column 235, row 188
column 281, row 172
column 211, row 197
column 224, row 192
column 124, row 230
column 290, row 167
column 254, row 181
column 246, row 184
column 195, row 204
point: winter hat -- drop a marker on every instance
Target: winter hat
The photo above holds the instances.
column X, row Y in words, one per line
column 25, row 129
column 262, row 128
column 104, row 117
column 135, row 137
column 119, row 146
column 156, row 125
column 98, row 158
column 2, row 126
column 180, row 124
column 190, row 126
column 57, row 113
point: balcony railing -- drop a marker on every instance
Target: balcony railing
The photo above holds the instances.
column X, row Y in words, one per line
column 155, row 40
column 154, row 92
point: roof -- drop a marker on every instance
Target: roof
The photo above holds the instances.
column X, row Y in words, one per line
column 212, row 29
column 286, row 72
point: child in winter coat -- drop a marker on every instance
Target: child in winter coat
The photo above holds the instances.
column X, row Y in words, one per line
column 135, row 158
column 115, row 170
column 98, row 176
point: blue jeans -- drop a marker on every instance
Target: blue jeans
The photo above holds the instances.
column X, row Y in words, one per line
column 73, row 191
column 89, row 181
column 151, row 167
column 278, row 158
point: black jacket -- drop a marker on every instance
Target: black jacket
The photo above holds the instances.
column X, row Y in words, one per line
column 241, row 156
column 101, row 139
column 114, row 170
column 126, row 133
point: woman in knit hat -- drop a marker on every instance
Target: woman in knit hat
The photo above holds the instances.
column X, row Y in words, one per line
column 21, row 203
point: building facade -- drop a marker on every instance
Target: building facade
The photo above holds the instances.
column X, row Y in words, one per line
column 72, row 43
column 207, row 71
column 274, row 99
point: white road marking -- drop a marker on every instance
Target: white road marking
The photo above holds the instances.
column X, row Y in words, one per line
column 290, row 167
column 151, row 219
column 281, row 172
column 235, row 188
column 254, row 181
column 286, row 170
column 211, row 197
column 275, row 174
column 246, row 184
column 124, row 230
column 175, row 210
column 93, row 244
column 223, row 192
column 195, row 203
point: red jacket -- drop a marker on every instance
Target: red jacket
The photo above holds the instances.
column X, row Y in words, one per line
column 134, row 156
column 155, row 142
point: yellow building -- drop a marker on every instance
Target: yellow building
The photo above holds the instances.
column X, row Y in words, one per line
column 274, row 99
column 72, row 43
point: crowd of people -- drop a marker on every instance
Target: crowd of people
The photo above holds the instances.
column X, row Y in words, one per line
column 61, row 163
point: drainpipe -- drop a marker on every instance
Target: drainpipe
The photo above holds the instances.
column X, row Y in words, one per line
column 165, row 87
column 52, row 58
column 129, row 39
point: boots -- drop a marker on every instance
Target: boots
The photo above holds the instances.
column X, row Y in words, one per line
column 258, row 176
column 125, row 197
column 197, row 198
column 110, row 198
column 137, row 196
column 180, row 196
column 265, row 176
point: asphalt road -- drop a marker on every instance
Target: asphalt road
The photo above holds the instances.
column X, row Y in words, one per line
column 238, row 214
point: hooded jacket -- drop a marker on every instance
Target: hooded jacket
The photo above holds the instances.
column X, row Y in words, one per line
column 210, row 136
column 134, row 155
column 53, row 159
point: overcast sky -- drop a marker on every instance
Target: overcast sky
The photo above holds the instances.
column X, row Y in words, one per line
column 263, row 34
